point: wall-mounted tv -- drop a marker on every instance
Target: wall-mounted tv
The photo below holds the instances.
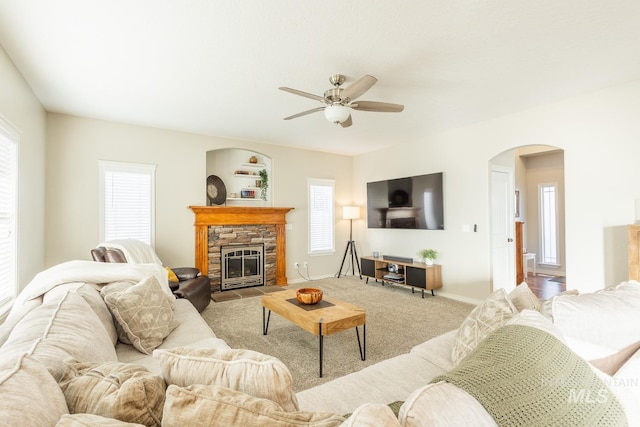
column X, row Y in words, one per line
column 414, row 202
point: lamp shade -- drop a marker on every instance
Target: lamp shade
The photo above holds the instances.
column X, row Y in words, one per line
column 336, row 113
column 350, row 212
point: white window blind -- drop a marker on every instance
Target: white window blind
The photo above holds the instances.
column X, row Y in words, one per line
column 9, row 137
column 128, row 201
column 548, row 223
column 321, row 215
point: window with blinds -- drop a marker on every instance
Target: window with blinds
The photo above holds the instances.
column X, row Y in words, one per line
column 9, row 138
column 127, row 201
column 321, row 216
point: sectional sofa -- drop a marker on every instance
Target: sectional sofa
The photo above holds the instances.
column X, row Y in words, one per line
column 108, row 344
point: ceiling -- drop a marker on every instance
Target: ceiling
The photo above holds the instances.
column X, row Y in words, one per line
column 214, row 67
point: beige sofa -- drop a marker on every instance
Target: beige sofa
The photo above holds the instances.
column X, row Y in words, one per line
column 62, row 347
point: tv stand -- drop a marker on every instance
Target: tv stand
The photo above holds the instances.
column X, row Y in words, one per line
column 414, row 274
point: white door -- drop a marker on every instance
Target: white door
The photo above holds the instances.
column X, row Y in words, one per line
column 502, row 228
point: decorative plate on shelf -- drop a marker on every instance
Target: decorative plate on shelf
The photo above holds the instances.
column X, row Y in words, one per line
column 216, row 191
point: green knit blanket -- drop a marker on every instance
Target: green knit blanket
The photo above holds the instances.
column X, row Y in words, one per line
column 526, row 377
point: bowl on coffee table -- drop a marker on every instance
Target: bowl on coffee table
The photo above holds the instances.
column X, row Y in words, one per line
column 309, row 296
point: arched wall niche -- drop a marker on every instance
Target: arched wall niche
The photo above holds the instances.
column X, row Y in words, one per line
column 240, row 175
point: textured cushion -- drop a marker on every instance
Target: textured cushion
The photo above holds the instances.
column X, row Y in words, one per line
column 200, row 405
column 114, row 390
column 372, row 415
column 545, row 308
column 29, row 394
column 143, row 313
column 443, row 404
column 595, row 325
column 58, row 331
column 90, row 420
column 250, row 372
column 523, row 298
column 488, row 316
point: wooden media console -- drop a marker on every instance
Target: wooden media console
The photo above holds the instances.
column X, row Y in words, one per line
column 414, row 274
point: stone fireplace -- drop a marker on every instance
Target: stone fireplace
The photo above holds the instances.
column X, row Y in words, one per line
column 218, row 226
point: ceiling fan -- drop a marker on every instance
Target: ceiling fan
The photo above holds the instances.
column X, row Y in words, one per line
column 340, row 101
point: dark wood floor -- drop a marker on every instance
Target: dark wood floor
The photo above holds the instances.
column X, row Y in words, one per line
column 543, row 287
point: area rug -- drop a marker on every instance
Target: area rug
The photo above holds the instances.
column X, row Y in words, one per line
column 397, row 320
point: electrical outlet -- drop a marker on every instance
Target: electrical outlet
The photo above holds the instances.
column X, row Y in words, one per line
column 304, row 264
column 296, row 265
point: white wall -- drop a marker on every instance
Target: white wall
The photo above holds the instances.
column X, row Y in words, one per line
column 21, row 108
column 76, row 144
column 599, row 133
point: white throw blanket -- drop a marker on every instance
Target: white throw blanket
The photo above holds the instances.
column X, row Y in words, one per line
column 135, row 251
column 90, row 272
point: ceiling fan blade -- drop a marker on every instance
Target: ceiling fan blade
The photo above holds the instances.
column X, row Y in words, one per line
column 347, row 122
column 357, row 88
column 384, row 107
column 301, row 93
column 304, row 113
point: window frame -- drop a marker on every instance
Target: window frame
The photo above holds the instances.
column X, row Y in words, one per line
column 319, row 182
column 11, row 134
column 545, row 257
column 105, row 166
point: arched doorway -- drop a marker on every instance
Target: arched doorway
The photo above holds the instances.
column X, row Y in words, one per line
column 518, row 177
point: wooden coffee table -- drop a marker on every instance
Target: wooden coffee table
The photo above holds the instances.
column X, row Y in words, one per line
column 325, row 318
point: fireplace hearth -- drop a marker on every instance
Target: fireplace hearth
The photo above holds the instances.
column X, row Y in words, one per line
column 241, row 266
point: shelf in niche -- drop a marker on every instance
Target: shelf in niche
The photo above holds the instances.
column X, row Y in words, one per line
column 246, row 175
column 248, row 199
column 254, row 165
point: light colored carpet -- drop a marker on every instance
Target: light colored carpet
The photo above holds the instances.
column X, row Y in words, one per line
column 397, row 320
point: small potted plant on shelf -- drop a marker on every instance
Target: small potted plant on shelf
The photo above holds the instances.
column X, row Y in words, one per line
column 264, row 184
column 429, row 255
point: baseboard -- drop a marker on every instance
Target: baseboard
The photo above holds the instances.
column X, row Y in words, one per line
column 302, row 280
column 459, row 298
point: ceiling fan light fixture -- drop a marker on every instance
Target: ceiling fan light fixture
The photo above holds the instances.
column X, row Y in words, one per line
column 337, row 113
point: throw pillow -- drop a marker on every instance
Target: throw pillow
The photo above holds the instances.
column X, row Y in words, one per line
column 488, row 316
column 143, row 313
column 523, row 298
column 247, row 371
column 211, row 406
column 172, row 275
column 30, row 395
column 118, row 390
column 91, row 420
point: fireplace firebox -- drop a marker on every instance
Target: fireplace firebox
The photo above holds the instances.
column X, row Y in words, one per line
column 242, row 266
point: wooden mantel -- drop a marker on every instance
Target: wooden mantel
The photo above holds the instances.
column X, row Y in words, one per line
column 240, row 215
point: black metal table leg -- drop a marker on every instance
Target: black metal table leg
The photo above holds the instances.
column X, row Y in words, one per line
column 320, row 345
column 363, row 347
column 265, row 323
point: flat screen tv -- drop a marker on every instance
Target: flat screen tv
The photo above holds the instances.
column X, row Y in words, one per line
column 414, row 202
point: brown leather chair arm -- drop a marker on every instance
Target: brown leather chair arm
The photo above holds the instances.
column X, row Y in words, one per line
column 186, row 273
column 197, row 290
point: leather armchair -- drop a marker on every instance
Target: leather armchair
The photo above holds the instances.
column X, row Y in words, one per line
column 191, row 284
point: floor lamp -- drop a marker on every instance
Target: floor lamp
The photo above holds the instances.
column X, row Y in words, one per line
column 351, row 213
